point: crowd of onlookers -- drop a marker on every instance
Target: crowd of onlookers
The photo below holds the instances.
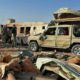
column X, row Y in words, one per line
column 9, row 35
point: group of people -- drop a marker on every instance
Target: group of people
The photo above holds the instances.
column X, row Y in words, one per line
column 9, row 35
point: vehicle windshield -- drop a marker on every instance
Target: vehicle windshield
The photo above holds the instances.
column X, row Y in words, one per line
column 76, row 31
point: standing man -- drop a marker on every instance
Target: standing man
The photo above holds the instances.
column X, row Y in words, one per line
column 14, row 32
column 4, row 35
column 9, row 35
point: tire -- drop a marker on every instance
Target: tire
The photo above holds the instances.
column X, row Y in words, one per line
column 76, row 49
column 33, row 46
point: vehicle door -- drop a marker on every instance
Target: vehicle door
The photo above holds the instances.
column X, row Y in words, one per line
column 63, row 37
column 50, row 35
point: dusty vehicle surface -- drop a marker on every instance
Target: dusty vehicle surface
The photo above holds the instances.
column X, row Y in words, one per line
column 58, row 36
column 60, row 68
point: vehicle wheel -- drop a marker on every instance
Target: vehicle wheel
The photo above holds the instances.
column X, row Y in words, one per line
column 76, row 49
column 33, row 46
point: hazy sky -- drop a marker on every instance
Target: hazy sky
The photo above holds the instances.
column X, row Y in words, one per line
column 33, row 10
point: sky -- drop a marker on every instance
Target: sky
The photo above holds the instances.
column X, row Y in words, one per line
column 33, row 10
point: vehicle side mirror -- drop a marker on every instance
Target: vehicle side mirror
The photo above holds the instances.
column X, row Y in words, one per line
column 43, row 37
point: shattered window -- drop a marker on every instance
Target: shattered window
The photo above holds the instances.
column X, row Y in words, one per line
column 34, row 28
column 50, row 31
column 63, row 31
column 43, row 27
column 22, row 30
column 76, row 31
column 28, row 30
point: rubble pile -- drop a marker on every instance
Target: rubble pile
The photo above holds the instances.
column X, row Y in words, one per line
column 65, row 65
column 13, row 61
column 69, row 57
column 52, row 62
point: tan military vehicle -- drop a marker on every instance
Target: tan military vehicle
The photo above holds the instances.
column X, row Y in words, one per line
column 58, row 36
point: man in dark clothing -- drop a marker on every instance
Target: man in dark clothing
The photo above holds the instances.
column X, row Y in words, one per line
column 14, row 35
column 9, row 34
column 4, row 34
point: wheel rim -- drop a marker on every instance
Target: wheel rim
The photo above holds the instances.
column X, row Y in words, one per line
column 76, row 50
column 33, row 46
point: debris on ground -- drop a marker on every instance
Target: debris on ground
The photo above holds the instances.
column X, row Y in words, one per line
column 18, row 64
column 58, row 67
column 65, row 65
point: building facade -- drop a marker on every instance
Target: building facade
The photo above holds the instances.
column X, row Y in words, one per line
column 28, row 28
